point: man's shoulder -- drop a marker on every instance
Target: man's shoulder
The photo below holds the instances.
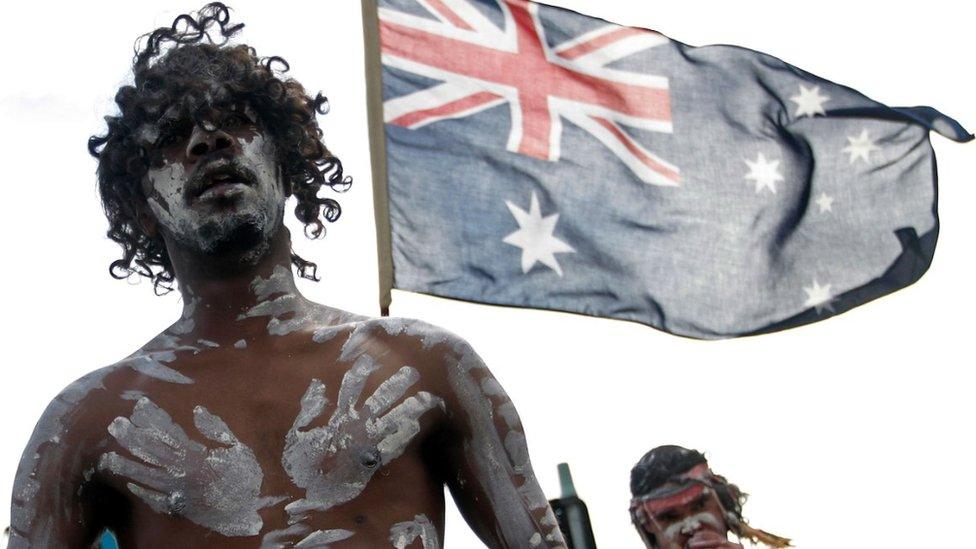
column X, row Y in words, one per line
column 68, row 421
column 410, row 338
column 77, row 401
column 427, row 336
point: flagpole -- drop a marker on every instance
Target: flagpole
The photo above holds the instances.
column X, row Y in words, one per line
column 377, row 148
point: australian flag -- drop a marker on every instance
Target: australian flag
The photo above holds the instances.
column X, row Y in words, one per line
column 536, row 157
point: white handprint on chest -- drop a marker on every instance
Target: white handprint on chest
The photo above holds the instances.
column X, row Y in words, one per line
column 334, row 462
column 217, row 483
column 217, row 486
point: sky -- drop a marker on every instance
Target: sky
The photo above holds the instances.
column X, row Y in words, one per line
column 851, row 432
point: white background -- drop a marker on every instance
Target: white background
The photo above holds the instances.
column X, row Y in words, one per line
column 854, row 432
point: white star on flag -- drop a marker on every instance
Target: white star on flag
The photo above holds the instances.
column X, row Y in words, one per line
column 861, row 146
column 809, row 101
column 764, row 172
column 819, row 296
column 535, row 238
column 826, row 202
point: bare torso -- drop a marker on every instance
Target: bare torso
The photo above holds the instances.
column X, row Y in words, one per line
column 320, row 428
column 257, row 391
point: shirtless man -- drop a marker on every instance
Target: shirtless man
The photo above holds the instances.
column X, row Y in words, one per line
column 679, row 503
column 259, row 418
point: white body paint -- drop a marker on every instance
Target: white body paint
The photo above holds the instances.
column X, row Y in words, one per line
column 277, row 299
column 403, row 534
column 513, row 506
column 132, row 395
column 366, row 332
column 152, row 364
column 509, row 483
column 323, row 462
column 152, row 359
column 216, row 486
column 186, row 323
column 281, row 539
column 321, row 538
column 217, row 483
column 46, row 441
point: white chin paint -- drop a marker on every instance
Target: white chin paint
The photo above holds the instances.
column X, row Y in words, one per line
column 202, row 226
column 690, row 525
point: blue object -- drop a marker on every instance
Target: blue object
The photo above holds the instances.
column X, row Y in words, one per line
column 108, row 541
column 541, row 158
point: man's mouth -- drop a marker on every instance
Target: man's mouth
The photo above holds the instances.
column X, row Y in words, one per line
column 220, row 181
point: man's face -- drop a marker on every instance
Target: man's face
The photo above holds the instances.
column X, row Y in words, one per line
column 686, row 518
column 215, row 186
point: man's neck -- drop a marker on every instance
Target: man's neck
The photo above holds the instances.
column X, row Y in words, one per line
column 218, row 293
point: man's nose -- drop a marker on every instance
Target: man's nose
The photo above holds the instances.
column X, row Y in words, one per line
column 207, row 139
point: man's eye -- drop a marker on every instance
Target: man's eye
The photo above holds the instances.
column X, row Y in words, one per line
column 668, row 516
column 235, row 120
column 167, row 140
column 172, row 136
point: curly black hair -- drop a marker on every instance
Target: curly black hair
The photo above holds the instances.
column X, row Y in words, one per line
column 184, row 68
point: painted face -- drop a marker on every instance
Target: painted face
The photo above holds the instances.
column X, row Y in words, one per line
column 215, row 186
column 683, row 513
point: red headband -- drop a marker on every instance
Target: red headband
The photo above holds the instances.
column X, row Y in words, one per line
column 692, row 485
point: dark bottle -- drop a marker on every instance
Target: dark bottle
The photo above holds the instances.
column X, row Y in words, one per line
column 571, row 513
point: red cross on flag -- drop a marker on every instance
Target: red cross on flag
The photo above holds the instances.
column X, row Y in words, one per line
column 482, row 65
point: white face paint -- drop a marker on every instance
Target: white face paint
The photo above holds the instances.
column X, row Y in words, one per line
column 205, row 222
column 690, row 525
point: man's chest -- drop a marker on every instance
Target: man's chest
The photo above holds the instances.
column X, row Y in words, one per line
column 275, row 435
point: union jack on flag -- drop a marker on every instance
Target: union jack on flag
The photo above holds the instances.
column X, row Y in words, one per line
column 513, row 64
column 537, row 157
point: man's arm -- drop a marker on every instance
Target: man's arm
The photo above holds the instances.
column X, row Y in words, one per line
column 54, row 478
column 488, row 468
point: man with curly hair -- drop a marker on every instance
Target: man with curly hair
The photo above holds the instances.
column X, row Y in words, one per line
column 259, row 418
column 679, row 503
